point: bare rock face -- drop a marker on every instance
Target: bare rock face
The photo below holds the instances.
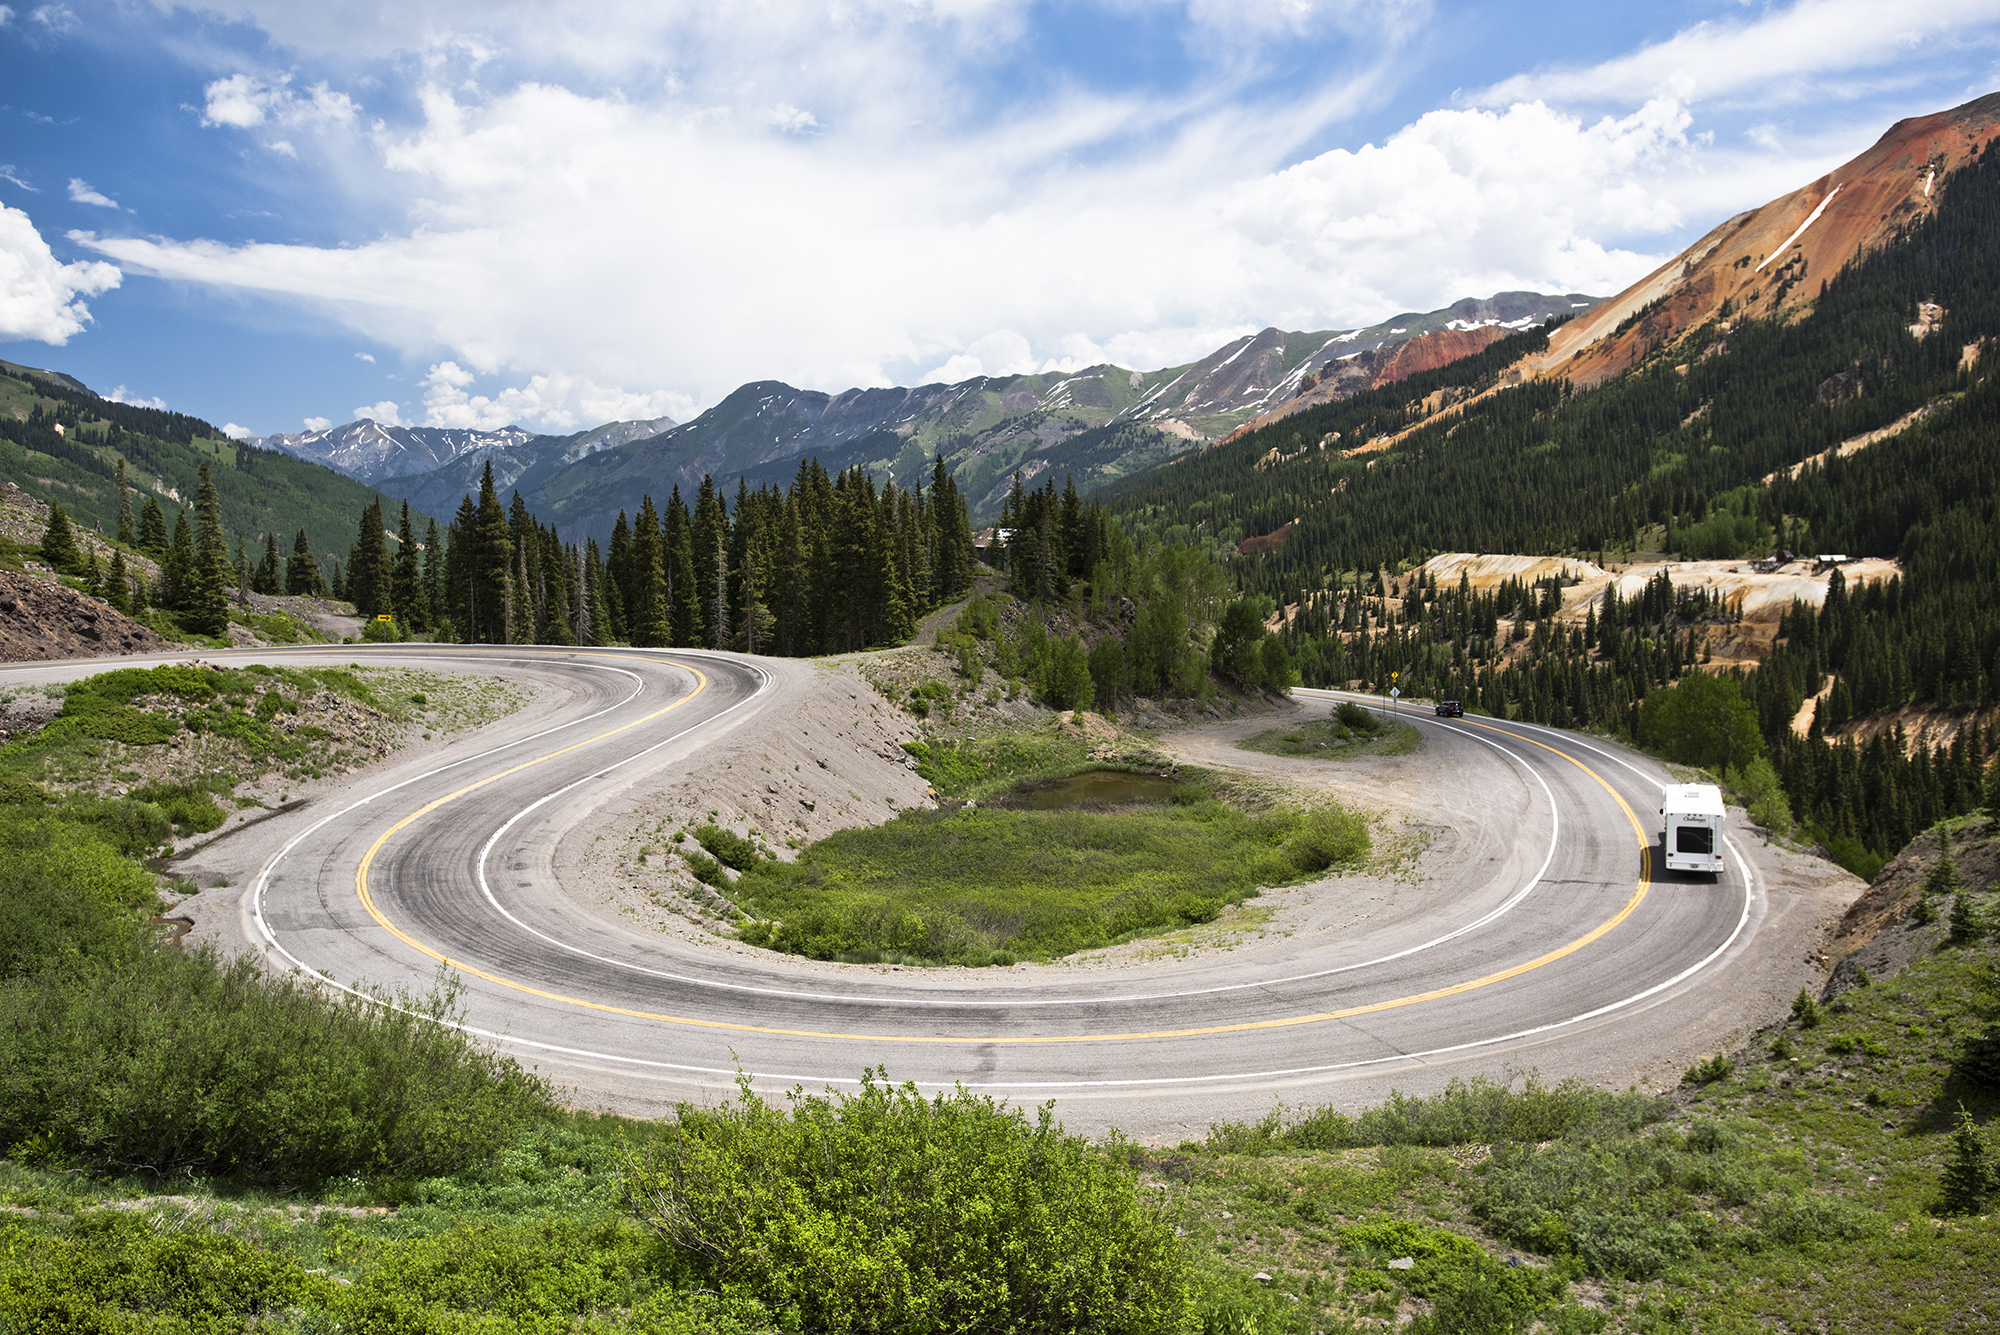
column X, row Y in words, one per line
column 41, row 620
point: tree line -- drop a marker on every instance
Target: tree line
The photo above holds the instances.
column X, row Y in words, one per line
column 827, row 565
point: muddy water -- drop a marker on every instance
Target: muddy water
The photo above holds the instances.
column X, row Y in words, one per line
column 1097, row 785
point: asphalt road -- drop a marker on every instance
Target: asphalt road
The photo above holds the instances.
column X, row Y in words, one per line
column 1551, row 924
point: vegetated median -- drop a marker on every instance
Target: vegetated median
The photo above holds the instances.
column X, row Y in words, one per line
column 988, row 881
column 1352, row 732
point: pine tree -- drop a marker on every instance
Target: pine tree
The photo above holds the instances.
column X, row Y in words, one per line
column 302, row 577
column 243, row 574
column 116, row 591
column 406, row 584
column 649, row 613
column 268, row 578
column 126, row 532
column 434, row 581
column 59, row 547
column 207, row 599
column 368, row 569
column 153, row 538
column 1969, row 1177
column 492, row 565
column 177, row 570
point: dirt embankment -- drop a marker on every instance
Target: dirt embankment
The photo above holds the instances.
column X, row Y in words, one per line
column 1878, row 932
column 41, row 619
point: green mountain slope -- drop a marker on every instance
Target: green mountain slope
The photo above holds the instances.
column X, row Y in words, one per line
column 261, row 490
column 1731, row 440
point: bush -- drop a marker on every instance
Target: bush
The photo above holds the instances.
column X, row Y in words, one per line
column 1357, row 717
column 186, row 805
column 884, row 1210
column 172, row 1062
column 730, row 849
column 1063, row 678
column 1475, row 1112
column 706, row 869
column 1328, row 836
column 1806, row 1010
column 118, row 1271
column 1709, row 1070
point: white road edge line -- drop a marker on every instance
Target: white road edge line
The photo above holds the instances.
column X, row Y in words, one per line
column 486, row 889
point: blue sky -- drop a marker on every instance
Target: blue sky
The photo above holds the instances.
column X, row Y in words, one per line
column 465, row 214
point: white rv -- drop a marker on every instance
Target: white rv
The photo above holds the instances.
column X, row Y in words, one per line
column 1691, row 828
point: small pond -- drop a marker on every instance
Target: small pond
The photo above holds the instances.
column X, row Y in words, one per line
column 1093, row 786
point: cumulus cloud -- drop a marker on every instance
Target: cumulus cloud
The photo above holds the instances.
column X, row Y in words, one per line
column 558, row 240
column 1777, row 55
column 386, row 413
column 235, row 432
column 368, row 357
column 562, row 250
column 246, row 101
column 41, row 297
column 790, row 119
column 318, row 423
column 81, row 193
column 124, row 395
column 556, row 402
column 56, row 18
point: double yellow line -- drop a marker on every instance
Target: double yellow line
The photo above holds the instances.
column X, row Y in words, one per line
column 1318, row 1017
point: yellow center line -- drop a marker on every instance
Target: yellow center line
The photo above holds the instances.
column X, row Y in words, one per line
column 1319, row 1017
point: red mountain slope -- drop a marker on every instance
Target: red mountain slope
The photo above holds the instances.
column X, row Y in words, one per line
column 1772, row 259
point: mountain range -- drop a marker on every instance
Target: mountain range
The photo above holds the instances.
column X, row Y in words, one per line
column 1096, row 424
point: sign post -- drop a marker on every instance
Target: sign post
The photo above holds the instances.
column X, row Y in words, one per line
column 1395, row 692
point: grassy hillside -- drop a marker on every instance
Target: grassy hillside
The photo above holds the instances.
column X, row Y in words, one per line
column 261, row 490
column 1827, row 1177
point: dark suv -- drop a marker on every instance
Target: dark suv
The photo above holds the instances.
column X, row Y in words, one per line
column 1450, row 709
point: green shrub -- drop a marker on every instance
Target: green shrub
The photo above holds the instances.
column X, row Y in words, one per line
column 1806, row 1010
column 884, row 1210
column 1709, row 1070
column 706, row 869
column 1328, row 836
column 1357, row 717
column 1977, row 1061
column 185, row 804
column 170, row 1062
column 1473, row 1112
column 730, row 849
column 118, row 1271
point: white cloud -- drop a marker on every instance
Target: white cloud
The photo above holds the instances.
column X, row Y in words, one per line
column 40, row 297
column 1778, row 55
column 124, row 395
column 368, row 357
column 7, row 173
column 81, row 193
column 246, row 101
column 554, row 402
column 6, row 16
column 318, row 423
column 235, row 432
column 790, row 119
column 386, row 413
column 283, row 146
column 56, row 18
column 543, row 249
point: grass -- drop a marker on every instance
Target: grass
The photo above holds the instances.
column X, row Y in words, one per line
column 984, row 885
column 1771, row 1198
column 1353, row 731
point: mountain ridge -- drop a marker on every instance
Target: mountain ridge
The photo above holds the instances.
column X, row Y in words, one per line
column 1097, row 423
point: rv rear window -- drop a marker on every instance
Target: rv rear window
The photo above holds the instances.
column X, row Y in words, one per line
column 1694, row 839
